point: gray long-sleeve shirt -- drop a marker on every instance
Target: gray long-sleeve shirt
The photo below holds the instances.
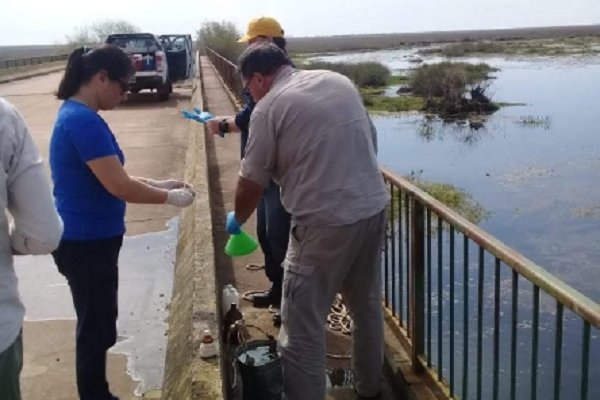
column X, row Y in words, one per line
column 311, row 134
column 35, row 228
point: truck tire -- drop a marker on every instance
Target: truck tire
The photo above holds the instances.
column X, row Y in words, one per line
column 164, row 91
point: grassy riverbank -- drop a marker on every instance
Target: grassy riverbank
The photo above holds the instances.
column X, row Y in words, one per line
column 537, row 47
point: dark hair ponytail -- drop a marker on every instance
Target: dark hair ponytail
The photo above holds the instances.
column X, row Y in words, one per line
column 83, row 64
column 71, row 80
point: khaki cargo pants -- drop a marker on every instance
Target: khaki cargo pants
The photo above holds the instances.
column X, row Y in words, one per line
column 321, row 262
column 11, row 362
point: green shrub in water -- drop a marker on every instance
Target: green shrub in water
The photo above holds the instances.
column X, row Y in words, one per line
column 366, row 74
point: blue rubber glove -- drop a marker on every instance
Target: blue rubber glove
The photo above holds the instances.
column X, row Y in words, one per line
column 197, row 115
column 232, row 225
column 203, row 115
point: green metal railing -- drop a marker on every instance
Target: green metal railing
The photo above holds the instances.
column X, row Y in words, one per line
column 490, row 355
column 420, row 291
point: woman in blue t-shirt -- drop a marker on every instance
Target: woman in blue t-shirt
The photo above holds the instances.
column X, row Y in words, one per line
column 91, row 188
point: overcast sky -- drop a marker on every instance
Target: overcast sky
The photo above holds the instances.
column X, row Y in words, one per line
column 49, row 21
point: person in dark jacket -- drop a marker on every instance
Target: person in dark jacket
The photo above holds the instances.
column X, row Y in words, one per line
column 272, row 220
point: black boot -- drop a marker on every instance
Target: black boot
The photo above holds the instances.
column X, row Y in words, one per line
column 277, row 320
column 266, row 299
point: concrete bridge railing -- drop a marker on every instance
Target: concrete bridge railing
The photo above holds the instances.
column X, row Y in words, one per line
column 194, row 303
column 26, row 61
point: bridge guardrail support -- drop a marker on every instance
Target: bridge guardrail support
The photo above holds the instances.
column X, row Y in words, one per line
column 417, row 284
column 25, row 61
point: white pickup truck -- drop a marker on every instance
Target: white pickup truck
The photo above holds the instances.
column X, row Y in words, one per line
column 152, row 57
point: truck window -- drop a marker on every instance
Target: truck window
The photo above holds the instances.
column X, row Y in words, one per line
column 142, row 44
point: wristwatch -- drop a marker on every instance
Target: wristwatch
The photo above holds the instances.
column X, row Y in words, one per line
column 223, row 126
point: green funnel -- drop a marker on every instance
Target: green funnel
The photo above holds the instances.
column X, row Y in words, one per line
column 241, row 244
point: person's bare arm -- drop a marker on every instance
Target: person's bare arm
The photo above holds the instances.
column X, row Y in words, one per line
column 163, row 184
column 247, row 196
column 115, row 179
column 213, row 125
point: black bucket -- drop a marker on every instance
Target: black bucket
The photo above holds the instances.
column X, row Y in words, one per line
column 261, row 377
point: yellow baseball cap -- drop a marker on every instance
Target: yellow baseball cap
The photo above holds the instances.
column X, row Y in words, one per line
column 263, row 26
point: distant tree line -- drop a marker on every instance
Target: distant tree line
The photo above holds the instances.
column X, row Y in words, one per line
column 96, row 33
column 222, row 37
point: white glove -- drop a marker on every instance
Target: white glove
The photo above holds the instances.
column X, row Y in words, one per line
column 167, row 184
column 180, row 197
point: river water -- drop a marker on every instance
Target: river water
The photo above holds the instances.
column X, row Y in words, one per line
column 538, row 183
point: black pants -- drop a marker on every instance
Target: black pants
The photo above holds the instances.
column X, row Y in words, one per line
column 273, row 229
column 91, row 268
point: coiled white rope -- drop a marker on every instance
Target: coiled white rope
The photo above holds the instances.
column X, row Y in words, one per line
column 339, row 320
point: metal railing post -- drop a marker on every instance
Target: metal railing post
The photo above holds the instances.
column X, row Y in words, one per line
column 417, row 282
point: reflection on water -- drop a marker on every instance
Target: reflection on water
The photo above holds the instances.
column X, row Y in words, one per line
column 467, row 131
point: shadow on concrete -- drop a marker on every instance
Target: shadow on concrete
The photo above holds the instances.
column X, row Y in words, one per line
column 224, row 265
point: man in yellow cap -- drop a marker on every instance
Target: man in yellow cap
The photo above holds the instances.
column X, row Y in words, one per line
column 272, row 220
column 266, row 27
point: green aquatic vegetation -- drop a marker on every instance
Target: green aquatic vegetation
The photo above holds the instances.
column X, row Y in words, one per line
column 438, row 80
column 429, row 90
column 362, row 74
column 380, row 103
column 535, row 121
column 457, row 199
column 376, row 101
column 398, row 79
column 528, row 47
column 372, row 91
column 501, row 104
column 453, row 89
column 371, row 78
column 462, row 49
column 453, row 197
